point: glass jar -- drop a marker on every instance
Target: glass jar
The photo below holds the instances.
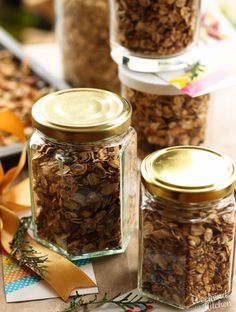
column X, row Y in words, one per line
column 83, row 34
column 162, row 115
column 161, row 34
column 187, row 226
column 83, row 171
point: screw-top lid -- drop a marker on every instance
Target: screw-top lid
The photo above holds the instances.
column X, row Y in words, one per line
column 81, row 115
column 188, row 174
column 148, row 83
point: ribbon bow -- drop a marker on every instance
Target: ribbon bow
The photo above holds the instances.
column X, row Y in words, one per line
column 61, row 274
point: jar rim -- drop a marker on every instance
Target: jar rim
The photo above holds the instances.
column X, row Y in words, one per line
column 188, row 174
column 81, row 114
column 146, row 82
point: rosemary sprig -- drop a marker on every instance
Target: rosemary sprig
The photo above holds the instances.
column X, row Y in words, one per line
column 195, row 71
column 24, row 252
column 129, row 301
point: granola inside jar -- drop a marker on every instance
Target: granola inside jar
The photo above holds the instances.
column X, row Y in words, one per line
column 187, row 226
column 83, row 170
column 166, row 31
column 83, row 34
column 162, row 115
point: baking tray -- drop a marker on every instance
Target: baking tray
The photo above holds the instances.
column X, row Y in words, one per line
column 9, row 43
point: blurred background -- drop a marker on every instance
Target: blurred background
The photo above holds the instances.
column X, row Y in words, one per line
column 29, row 21
column 32, row 21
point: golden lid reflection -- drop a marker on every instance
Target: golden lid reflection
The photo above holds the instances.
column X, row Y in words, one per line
column 81, row 115
column 188, row 174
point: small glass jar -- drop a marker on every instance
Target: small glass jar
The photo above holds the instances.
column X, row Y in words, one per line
column 187, row 226
column 162, row 115
column 83, row 34
column 83, row 171
column 161, row 34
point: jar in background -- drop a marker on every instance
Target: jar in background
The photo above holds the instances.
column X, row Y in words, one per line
column 83, row 170
column 163, row 30
column 187, row 226
column 83, row 31
column 162, row 115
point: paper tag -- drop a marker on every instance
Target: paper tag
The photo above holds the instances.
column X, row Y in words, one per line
column 199, row 80
column 215, row 71
column 22, row 284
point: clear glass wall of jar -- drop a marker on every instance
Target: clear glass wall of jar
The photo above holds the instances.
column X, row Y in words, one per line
column 164, row 31
column 83, row 170
column 187, row 226
column 83, row 34
column 162, row 115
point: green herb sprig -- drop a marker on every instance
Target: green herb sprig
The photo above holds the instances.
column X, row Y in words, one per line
column 24, row 252
column 129, row 301
column 195, row 71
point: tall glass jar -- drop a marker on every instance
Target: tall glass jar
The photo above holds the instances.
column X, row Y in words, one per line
column 83, row 33
column 162, row 115
column 187, row 226
column 83, row 172
column 160, row 33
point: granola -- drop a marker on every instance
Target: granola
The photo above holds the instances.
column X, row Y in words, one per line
column 167, row 120
column 79, row 202
column 20, row 88
column 85, row 45
column 156, row 28
column 184, row 262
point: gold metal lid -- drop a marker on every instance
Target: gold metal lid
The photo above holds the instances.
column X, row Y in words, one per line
column 188, row 174
column 81, row 115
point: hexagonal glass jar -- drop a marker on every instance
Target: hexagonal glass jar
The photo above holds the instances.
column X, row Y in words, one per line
column 83, row 35
column 83, row 171
column 162, row 115
column 187, row 226
column 153, row 36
